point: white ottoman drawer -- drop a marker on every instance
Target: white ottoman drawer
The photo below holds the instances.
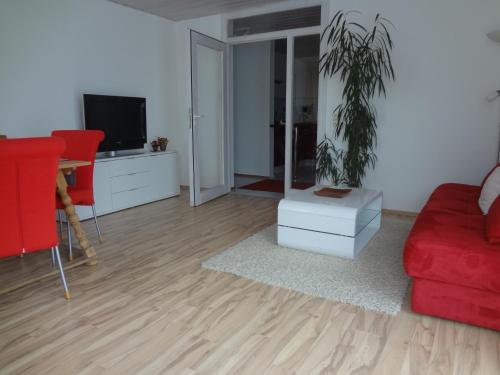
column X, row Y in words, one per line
column 331, row 226
column 315, row 217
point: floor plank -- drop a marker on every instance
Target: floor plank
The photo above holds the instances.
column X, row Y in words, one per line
column 148, row 307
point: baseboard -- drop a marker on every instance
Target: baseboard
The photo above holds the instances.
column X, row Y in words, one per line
column 386, row 211
column 251, row 176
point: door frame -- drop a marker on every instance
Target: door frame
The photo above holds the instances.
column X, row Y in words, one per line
column 197, row 198
column 289, row 35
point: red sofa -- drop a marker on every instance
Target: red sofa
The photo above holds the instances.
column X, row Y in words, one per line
column 455, row 269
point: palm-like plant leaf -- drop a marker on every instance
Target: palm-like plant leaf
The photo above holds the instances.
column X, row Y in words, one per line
column 361, row 58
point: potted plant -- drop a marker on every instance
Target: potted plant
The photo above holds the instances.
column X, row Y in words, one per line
column 154, row 145
column 159, row 143
column 327, row 163
column 162, row 142
column 361, row 59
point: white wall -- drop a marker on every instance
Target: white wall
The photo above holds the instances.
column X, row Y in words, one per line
column 252, row 90
column 436, row 124
column 52, row 51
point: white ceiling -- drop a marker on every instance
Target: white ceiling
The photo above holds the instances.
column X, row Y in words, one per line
column 177, row 10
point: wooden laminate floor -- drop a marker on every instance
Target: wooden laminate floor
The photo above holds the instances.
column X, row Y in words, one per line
column 149, row 308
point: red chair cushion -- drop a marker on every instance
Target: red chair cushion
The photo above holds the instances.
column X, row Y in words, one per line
column 493, row 223
column 27, row 194
column 82, row 145
column 11, row 239
column 79, row 197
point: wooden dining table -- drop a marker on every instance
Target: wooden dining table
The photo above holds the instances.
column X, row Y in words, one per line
column 67, row 167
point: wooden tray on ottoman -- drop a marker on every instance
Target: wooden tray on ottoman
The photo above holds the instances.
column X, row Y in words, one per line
column 332, row 192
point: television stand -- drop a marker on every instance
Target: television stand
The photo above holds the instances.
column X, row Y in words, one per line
column 126, row 181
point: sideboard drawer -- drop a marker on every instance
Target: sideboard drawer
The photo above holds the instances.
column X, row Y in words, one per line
column 130, row 181
column 132, row 197
column 126, row 166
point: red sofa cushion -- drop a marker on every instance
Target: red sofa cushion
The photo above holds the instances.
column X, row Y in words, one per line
column 467, row 305
column 493, row 223
column 455, row 198
column 452, row 248
column 458, row 189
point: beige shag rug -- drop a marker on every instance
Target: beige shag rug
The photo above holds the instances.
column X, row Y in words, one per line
column 373, row 281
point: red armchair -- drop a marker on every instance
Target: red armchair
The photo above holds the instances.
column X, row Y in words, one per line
column 28, row 167
column 81, row 145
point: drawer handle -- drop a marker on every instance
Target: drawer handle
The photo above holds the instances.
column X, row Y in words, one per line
column 138, row 188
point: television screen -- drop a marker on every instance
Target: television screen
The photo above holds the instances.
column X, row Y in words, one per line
column 121, row 118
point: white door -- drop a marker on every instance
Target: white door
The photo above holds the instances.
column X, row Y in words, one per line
column 209, row 177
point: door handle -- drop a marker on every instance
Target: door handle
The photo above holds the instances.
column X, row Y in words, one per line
column 193, row 117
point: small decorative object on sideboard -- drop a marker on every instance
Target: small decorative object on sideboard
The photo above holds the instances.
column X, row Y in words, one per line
column 160, row 143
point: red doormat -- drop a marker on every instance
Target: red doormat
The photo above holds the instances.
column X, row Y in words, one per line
column 274, row 186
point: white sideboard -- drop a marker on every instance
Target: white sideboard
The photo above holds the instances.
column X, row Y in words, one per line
column 128, row 181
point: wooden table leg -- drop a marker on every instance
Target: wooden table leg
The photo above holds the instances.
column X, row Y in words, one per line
column 72, row 216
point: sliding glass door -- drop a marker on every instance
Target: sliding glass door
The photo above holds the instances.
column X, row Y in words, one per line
column 301, row 111
column 305, row 110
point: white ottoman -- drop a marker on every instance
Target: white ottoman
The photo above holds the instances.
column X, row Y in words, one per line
column 333, row 226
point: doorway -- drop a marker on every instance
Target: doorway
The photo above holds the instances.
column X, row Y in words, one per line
column 260, row 96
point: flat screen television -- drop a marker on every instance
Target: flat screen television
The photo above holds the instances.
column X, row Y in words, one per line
column 121, row 118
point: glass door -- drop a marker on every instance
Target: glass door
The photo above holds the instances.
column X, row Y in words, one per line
column 209, row 177
column 305, row 110
column 302, row 94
